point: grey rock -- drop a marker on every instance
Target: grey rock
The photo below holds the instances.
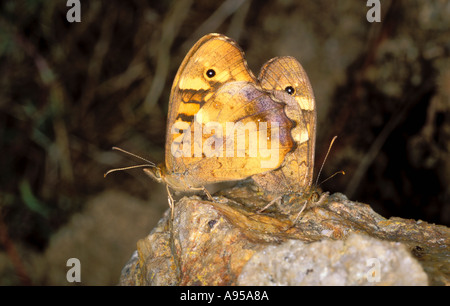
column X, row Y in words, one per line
column 358, row 260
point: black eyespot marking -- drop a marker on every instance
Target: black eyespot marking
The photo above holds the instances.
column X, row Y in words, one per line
column 290, row 90
column 210, row 73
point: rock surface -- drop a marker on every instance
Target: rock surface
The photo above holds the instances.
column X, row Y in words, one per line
column 334, row 242
column 358, row 260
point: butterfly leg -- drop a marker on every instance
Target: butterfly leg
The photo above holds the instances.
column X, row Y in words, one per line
column 274, row 201
column 322, row 198
column 171, row 201
column 300, row 212
column 205, row 191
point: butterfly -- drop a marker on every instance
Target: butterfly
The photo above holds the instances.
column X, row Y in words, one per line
column 286, row 79
column 214, row 84
column 214, row 90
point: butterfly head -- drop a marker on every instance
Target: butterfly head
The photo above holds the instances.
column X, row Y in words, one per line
column 149, row 167
column 156, row 173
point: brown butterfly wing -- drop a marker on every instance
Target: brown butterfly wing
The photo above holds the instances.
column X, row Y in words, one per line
column 249, row 121
column 296, row 172
column 193, row 86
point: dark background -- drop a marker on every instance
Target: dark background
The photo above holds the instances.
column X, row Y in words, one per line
column 71, row 91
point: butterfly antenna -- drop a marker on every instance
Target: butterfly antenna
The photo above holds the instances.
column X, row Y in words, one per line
column 325, row 159
column 134, row 155
column 339, row 172
column 148, row 163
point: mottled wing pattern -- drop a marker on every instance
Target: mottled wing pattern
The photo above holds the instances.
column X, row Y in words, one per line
column 249, row 121
column 286, row 79
column 213, row 61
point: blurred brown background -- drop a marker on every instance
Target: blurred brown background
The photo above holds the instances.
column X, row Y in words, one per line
column 71, row 91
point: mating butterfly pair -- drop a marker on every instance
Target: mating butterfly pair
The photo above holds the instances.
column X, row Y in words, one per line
column 214, row 90
column 214, row 84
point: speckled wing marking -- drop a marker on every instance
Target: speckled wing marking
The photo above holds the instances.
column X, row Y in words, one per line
column 286, row 79
column 195, row 84
column 247, row 105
